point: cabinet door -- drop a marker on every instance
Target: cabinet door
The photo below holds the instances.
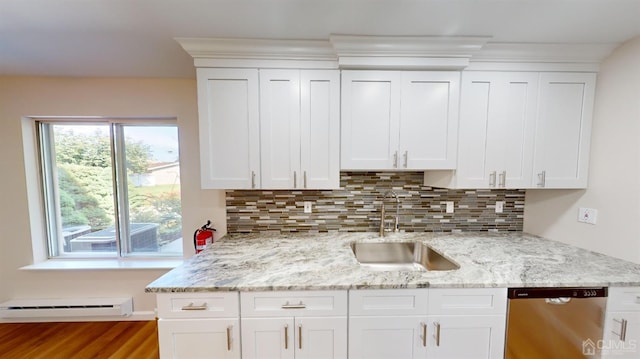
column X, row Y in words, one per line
column 370, row 120
column 320, row 129
column 199, row 338
column 621, row 335
column 429, row 120
column 269, row 338
column 387, row 337
column 229, row 128
column 466, row 336
column 321, row 338
column 280, row 129
column 497, row 119
column 563, row 130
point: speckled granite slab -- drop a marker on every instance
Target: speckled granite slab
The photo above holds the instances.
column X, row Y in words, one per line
column 265, row 262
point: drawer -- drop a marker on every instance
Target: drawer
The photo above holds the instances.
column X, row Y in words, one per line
column 198, row 305
column 466, row 301
column 388, row 302
column 623, row 299
column 293, row 303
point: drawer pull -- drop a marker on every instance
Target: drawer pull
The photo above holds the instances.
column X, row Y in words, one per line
column 294, row 306
column 195, row 307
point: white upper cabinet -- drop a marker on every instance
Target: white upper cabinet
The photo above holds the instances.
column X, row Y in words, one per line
column 229, row 128
column 522, row 130
column 399, row 120
column 320, row 129
column 497, row 119
column 280, row 128
column 299, row 129
column 271, row 129
column 563, row 130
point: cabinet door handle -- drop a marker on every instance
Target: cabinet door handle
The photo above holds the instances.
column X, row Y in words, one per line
column 406, row 159
column 229, row 338
column 295, row 179
column 492, row 179
column 395, row 159
column 541, row 178
column 286, row 336
column 300, row 336
column 293, row 306
column 424, row 334
column 305, row 179
column 502, row 179
column 437, row 324
column 253, row 179
column 195, row 307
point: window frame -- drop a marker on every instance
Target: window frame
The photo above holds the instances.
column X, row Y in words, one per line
column 45, row 150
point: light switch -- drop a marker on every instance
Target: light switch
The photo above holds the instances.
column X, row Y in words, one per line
column 499, row 206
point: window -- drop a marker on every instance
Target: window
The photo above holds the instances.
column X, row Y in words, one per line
column 111, row 188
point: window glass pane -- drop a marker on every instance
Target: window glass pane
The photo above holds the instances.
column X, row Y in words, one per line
column 81, row 189
column 153, row 188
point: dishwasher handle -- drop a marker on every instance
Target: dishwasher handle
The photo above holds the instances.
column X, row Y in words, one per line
column 557, row 301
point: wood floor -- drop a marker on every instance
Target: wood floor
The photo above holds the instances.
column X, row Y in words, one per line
column 114, row 340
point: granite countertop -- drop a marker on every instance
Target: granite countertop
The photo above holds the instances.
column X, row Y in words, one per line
column 262, row 262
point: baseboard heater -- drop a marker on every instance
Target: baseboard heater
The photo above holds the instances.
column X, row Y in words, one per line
column 69, row 307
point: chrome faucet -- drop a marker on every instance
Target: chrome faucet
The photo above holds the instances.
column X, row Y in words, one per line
column 396, row 225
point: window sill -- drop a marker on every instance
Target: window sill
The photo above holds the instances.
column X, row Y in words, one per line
column 104, row 264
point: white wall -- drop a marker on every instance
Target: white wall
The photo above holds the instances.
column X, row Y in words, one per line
column 614, row 175
column 27, row 96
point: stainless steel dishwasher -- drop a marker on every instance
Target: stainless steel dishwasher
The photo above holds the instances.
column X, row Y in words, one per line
column 550, row 323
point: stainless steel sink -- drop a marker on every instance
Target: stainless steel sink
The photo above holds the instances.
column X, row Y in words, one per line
column 401, row 256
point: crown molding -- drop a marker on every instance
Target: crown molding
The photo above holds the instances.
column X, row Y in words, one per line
column 407, row 46
column 272, row 49
column 395, row 52
column 545, row 52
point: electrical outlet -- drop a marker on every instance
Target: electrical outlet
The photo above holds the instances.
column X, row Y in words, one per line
column 499, row 206
column 587, row 215
column 308, row 206
column 449, row 206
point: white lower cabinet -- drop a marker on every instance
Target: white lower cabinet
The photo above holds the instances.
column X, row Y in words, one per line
column 359, row 324
column 621, row 338
column 198, row 325
column 294, row 324
column 387, row 337
column 467, row 322
column 427, row 323
column 388, row 323
column 199, row 338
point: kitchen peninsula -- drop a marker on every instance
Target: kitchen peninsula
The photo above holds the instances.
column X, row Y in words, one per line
column 273, row 290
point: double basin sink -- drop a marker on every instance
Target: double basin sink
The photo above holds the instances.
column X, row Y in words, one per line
column 401, row 256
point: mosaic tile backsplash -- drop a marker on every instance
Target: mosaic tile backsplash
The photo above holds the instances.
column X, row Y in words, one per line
column 356, row 207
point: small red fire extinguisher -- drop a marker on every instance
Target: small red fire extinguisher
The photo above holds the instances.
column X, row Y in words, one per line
column 203, row 236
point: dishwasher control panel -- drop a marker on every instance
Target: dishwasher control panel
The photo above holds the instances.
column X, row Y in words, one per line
column 559, row 292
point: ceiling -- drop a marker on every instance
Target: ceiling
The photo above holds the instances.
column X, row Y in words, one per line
column 135, row 38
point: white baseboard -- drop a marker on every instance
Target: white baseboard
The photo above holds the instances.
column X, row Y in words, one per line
column 136, row 316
